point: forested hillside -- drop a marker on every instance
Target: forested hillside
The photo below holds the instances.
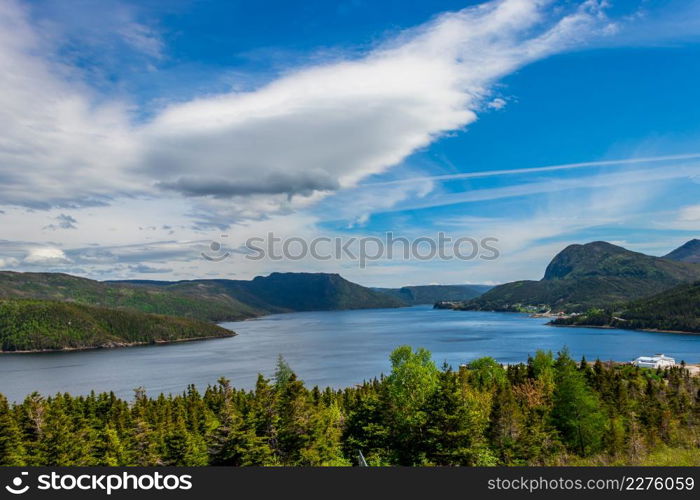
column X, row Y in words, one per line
column 67, row 288
column 677, row 309
column 581, row 277
column 545, row 412
column 210, row 300
column 35, row 325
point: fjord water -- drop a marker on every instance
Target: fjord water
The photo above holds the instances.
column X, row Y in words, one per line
column 335, row 348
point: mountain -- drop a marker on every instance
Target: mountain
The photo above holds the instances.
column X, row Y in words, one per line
column 37, row 325
column 582, row 276
column 688, row 252
column 677, row 309
column 430, row 294
column 210, row 300
column 283, row 292
column 49, row 311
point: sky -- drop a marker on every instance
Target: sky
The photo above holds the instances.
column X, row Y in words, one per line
column 137, row 136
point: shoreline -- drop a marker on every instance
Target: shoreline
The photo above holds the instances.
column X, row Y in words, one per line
column 119, row 345
column 608, row 327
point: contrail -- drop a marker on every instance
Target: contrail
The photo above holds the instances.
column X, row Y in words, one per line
column 527, row 189
column 567, row 166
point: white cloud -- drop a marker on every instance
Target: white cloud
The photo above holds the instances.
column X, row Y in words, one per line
column 687, row 218
column 690, row 213
column 308, row 133
column 8, row 262
column 57, row 146
column 329, row 126
column 46, row 256
column 497, row 103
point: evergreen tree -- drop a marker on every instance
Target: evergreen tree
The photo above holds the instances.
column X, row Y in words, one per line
column 264, row 416
column 283, row 373
column 184, row 448
column 324, row 447
column 12, row 450
column 505, row 426
column 110, row 449
column 294, row 420
column 231, row 442
column 453, row 433
column 61, row 443
column 365, row 428
column 145, row 445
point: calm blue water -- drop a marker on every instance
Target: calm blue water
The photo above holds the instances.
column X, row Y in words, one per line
column 337, row 348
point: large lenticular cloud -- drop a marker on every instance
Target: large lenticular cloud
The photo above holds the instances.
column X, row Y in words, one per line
column 307, row 133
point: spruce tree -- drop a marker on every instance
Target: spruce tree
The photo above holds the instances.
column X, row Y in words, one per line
column 505, row 425
column 294, row 420
column 111, row 451
column 12, row 450
column 62, row 443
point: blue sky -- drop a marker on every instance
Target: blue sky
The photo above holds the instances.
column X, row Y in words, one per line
column 139, row 132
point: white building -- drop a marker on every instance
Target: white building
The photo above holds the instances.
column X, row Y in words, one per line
column 655, row 361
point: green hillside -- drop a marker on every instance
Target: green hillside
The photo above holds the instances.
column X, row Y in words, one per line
column 148, row 299
column 34, row 325
column 583, row 276
column 677, row 309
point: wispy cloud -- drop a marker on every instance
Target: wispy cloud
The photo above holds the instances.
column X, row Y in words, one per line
column 630, row 177
column 534, row 170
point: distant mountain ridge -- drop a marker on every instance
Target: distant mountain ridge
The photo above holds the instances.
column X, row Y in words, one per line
column 596, row 274
column 283, row 292
column 287, row 292
column 430, row 294
column 688, row 252
column 211, row 300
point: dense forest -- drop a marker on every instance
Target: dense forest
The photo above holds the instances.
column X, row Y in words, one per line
column 550, row 410
column 35, row 325
column 677, row 309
